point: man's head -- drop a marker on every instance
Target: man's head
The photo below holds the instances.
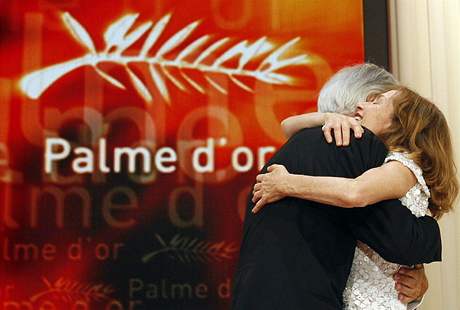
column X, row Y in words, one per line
column 354, row 84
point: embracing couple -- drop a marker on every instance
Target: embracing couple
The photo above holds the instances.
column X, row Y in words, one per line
column 344, row 213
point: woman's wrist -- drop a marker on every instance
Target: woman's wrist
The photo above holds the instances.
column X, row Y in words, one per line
column 324, row 116
column 288, row 185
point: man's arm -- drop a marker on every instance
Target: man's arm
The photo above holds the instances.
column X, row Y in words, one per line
column 396, row 234
column 388, row 227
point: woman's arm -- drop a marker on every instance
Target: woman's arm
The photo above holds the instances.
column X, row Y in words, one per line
column 339, row 124
column 389, row 181
column 295, row 123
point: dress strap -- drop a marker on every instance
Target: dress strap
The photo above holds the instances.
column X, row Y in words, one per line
column 404, row 159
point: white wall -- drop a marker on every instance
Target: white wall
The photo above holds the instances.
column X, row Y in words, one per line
column 425, row 39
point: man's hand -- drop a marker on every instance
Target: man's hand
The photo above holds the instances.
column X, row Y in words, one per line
column 411, row 284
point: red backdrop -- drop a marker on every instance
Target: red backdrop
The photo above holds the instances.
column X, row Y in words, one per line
column 166, row 238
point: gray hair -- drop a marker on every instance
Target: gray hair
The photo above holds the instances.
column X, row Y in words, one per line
column 351, row 85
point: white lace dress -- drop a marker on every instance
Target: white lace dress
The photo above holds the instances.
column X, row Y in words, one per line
column 370, row 285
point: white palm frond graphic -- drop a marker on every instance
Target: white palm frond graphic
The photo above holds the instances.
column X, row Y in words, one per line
column 188, row 249
column 194, row 56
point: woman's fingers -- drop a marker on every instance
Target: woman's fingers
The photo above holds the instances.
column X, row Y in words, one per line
column 338, row 134
column 257, row 187
column 260, row 177
column 327, row 133
column 273, row 167
column 256, row 196
column 258, row 206
column 345, row 134
column 357, row 129
column 341, row 126
column 276, row 168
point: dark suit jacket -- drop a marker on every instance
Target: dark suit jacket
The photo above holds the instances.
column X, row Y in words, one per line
column 297, row 254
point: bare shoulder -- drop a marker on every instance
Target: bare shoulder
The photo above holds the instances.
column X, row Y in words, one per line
column 397, row 170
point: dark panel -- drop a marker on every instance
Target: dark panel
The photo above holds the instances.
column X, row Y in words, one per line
column 376, row 32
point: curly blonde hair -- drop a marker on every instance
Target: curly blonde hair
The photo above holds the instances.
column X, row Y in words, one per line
column 419, row 128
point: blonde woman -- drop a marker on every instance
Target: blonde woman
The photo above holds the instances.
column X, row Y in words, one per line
column 419, row 170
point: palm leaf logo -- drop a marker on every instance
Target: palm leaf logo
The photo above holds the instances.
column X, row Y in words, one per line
column 188, row 250
column 71, row 291
column 195, row 56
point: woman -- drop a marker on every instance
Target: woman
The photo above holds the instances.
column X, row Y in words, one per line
column 419, row 168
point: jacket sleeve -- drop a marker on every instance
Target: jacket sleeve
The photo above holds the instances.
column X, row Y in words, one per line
column 388, row 227
column 391, row 230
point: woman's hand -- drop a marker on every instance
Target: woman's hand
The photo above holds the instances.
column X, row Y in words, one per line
column 269, row 186
column 341, row 125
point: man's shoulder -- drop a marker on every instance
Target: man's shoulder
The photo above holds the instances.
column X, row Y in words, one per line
column 368, row 139
column 366, row 152
column 315, row 135
column 307, row 132
column 308, row 136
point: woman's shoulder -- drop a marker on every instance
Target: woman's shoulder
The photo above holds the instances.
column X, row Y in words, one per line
column 404, row 159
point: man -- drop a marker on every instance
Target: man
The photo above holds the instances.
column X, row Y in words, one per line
column 297, row 254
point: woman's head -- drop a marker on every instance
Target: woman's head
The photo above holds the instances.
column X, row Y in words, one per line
column 377, row 115
column 419, row 128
